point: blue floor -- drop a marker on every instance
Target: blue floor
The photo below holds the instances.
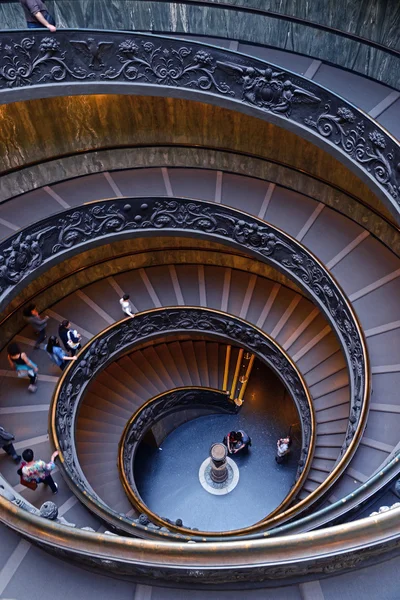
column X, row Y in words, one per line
column 167, row 478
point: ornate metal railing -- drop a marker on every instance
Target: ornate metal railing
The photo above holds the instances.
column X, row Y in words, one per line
column 120, row 338
column 26, row 254
column 36, row 64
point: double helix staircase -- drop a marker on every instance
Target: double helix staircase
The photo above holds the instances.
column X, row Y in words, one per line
column 366, row 269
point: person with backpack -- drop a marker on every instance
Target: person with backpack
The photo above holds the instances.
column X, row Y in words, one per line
column 37, row 471
column 6, row 442
column 57, row 354
column 23, row 365
column 69, row 337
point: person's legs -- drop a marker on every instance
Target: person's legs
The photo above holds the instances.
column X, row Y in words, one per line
column 41, row 336
column 51, row 483
column 12, row 452
column 32, row 380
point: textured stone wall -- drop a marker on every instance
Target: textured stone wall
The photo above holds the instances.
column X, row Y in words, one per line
column 38, row 130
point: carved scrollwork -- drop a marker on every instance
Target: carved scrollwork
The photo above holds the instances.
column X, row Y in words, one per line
column 365, row 145
column 167, row 65
column 112, row 57
column 44, row 242
column 22, row 63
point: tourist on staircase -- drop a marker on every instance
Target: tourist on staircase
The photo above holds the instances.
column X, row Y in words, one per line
column 126, row 305
column 23, row 365
column 6, row 442
column 37, row 15
column 31, row 316
column 37, row 471
column 70, row 338
column 57, row 354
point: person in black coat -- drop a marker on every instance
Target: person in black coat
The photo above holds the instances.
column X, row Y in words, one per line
column 6, row 442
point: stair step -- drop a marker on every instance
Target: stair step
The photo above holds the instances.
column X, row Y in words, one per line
column 97, row 414
column 180, row 361
column 191, row 361
column 110, row 398
column 339, row 426
column 157, row 365
column 316, row 475
column 137, row 368
column 336, row 398
column 333, row 414
column 323, row 464
column 330, row 384
column 331, row 365
column 331, row 440
column 326, row 452
column 201, row 358
column 167, row 359
column 114, row 378
column 213, row 364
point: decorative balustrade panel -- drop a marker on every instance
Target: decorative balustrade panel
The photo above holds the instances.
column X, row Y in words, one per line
column 122, row 336
column 38, row 246
column 86, row 61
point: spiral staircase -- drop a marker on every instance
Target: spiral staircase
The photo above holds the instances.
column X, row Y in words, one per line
column 343, row 211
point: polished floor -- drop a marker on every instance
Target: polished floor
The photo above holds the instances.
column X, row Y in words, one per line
column 168, row 479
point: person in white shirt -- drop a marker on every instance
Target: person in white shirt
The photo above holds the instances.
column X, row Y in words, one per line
column 282, row 449
column 126, row 305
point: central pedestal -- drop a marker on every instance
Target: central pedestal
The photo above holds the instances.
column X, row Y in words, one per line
column 218, row 474
column 219, row 467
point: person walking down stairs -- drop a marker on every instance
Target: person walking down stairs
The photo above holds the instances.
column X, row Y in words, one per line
column 126, row 305
column 39, row 324
column 23, row 365
column 37, row 471
column 6, row 442
column 57, row 354
column 70, row 338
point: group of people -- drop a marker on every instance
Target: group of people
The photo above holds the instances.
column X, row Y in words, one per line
column 32, row 472
column 238, row 441
column 58, row 354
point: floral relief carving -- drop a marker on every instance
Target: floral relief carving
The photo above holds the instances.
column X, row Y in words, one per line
column 23, row 253
column 367, row 146
column 20, row 62
column 139, row 58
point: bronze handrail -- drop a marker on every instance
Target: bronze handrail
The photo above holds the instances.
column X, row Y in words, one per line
column 253, row 236
column 73, row 471
column 323, row 552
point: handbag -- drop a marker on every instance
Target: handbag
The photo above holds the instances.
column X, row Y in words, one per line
column 32, row 485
